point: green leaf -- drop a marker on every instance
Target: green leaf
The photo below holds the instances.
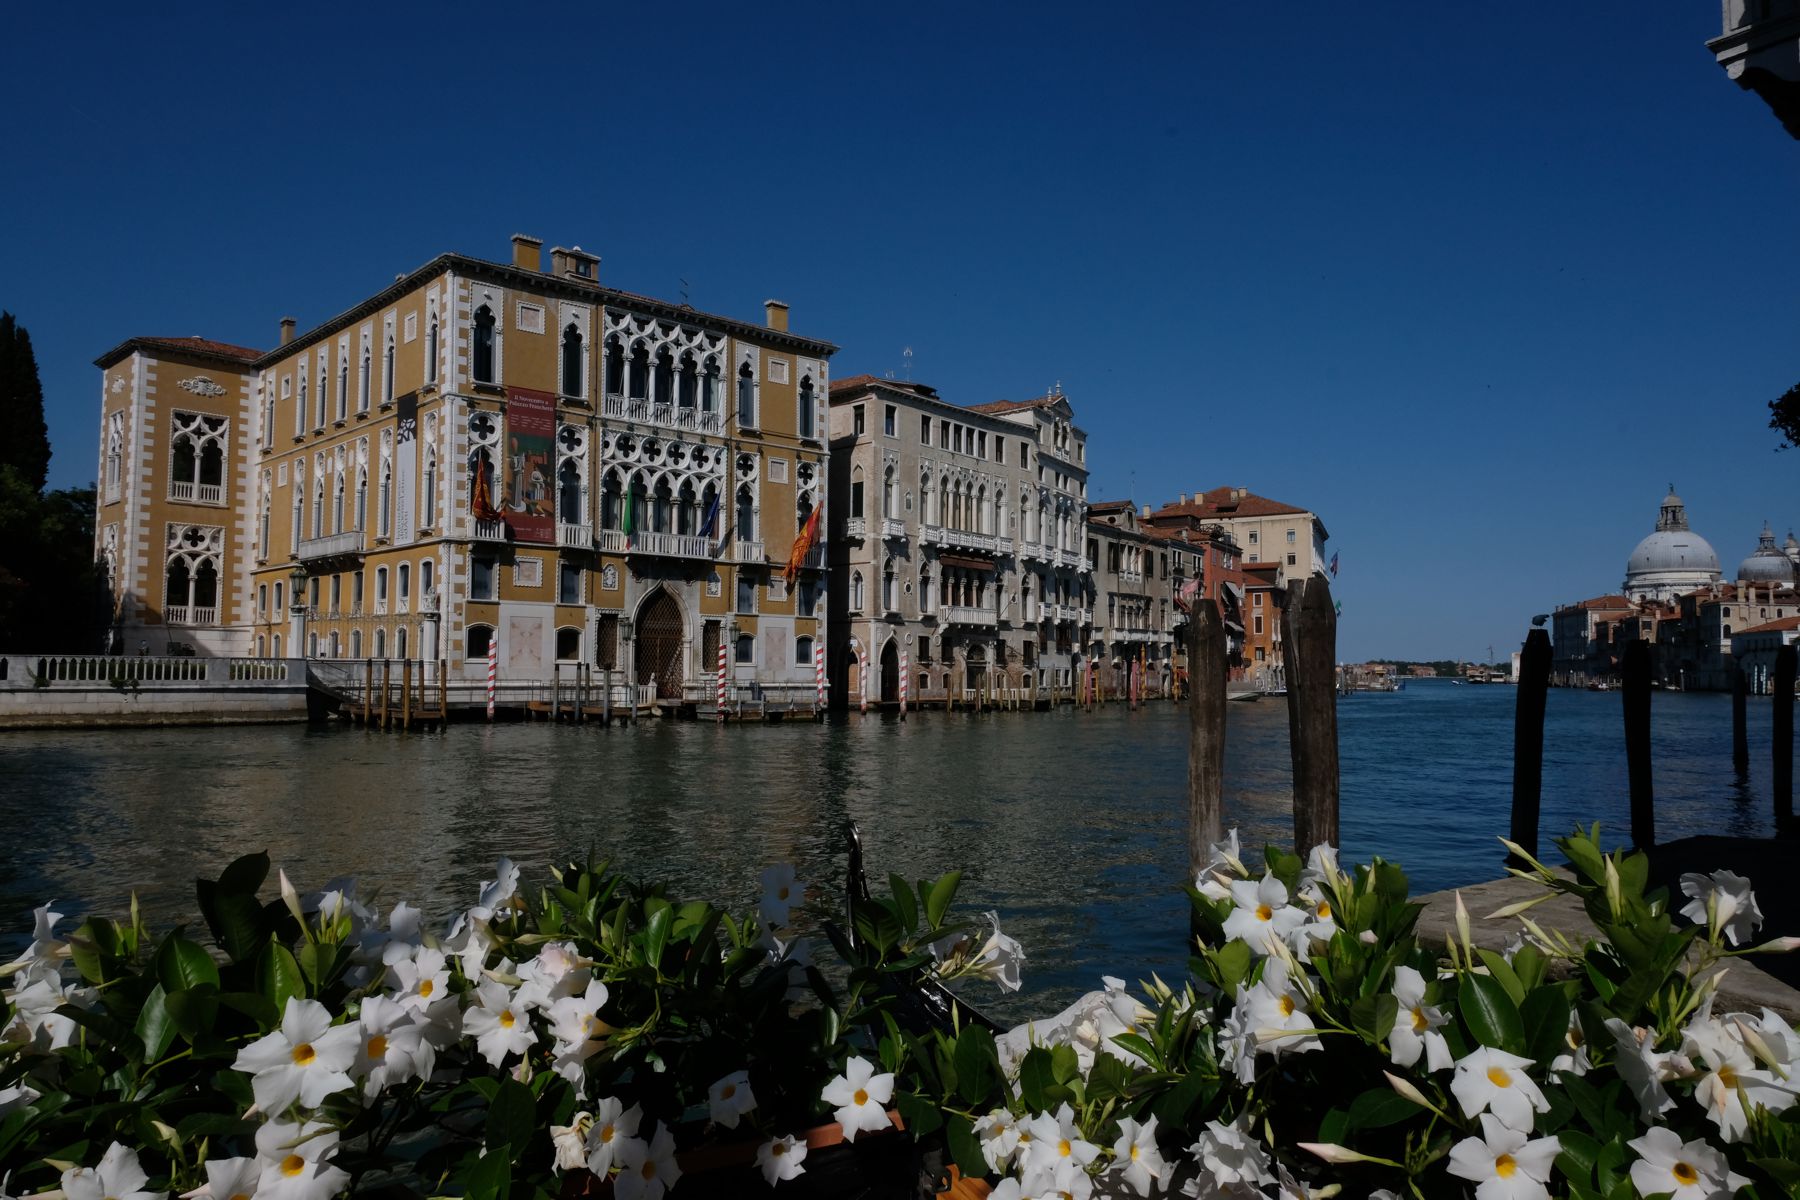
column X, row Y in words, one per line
column 257, row 1007
column 181, row 964
column 1036, row 1080
column 1065, row 1064
column 1231, row 963
column 938, row 902
column 1109, row 1078
column 154, row 1028
column 239, row 924
column 1576, row 1159
column 1545, row 1017
column 977, row 1063
column 1502, row 971
column 656, row 936
column 1374, row 1016
column 488, row 1177
column 1137, row 1045
column 1783, row 1171
column 922, row 1116
column 1380, row 1107
column 905, row 901
column 1529, row 964
column 1335, row 1127
column 511, row 1119
column 1491, row 1014
column 245, row 875
column 965, row 1147
column 193, row 1011
column 278, row 975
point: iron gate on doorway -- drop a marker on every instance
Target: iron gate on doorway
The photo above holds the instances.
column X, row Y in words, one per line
column 659, row 638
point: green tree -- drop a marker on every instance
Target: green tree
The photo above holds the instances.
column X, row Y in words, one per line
column 1784, row 417
column 25, row 446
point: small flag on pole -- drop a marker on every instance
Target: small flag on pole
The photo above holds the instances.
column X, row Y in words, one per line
column 1337, row 608
column 630, row 515
column 1333, row 567
column 710, row 526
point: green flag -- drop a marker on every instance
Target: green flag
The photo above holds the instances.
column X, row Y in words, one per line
column 629, row 496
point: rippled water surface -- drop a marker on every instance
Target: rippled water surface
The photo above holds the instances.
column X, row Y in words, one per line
column 1069, row 824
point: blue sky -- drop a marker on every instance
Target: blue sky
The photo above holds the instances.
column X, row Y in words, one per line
column 1473, row 282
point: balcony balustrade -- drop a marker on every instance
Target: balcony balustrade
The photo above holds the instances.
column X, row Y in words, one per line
column 487, row 531
column 747, row 551
column 577, row 537
column 1034, row 551
column 856, row 527
column 1003, row 544
column 963, row 614
column 332, row 545
column 669, row 415
column 197, row 493
column 183, row 614
column 671, row 545
column 893, row 527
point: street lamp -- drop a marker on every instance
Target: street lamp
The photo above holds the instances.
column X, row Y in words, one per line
column 297, row 579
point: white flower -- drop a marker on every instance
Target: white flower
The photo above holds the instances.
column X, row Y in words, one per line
column 1574, row 1060
column 580, row 1033
column 999, row 1139
column 294, row 1162
column 1733, row 1085
column 118, row 1177
column 18, row 1096
column 1136, row 1157
column 1057, row 1147
column 1685, row 1170
column 730, row 1098
column 1503, row 1164
column 1722, row 901
column 497, row 893
column 861, row 1097
column 42, row 959
column 781, row 891
column 1262, row 916
column 780, row 1159
column 229, row 1179
column 1641, row 1067
column 1278, row 1013
column 1231, row 1157
column 36, row 1020
column 571, row 1141
column 305, row 1060
column 499, row 1024
column 557, row 972
column 422, row 978
column 613, row 1125
column 392, row 1046
column 1237, row 1039
column 1415, row 1030
column 1224, row 864
column 1490, row 1080
column 997, row 958
column 646, row 1170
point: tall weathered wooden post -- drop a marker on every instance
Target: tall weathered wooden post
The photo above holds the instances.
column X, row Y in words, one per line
column 1309, row 649
column 1783, row 737
column 1634, row 678
column 1528, row 740
column 1740, row 737
column 1206, row 733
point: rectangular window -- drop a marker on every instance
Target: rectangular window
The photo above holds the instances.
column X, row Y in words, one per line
column 1000, row 450
column 981, row 441
column 337, row 593
column 405, row 582
column 888, row 422
column 746, row 648
column 262, row 597
column 1024, row 453
column 808, row 597
column 1290, row 534
column 1258, row 624
column 924, row 647
column 1290, row 560
column 944, row 435
column 746, row 593
column 856, row 498
column 356, row 591
column 482, row 576
column 568, row 585
column 858, row 426
column 381, row 585
column 924, row 430
column 1256, row 600
column 1253, row 537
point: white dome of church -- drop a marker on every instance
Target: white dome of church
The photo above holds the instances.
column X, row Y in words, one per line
column 1768, row 564
column 1672, row 561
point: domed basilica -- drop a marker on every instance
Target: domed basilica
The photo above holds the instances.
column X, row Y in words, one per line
column 1672, row 561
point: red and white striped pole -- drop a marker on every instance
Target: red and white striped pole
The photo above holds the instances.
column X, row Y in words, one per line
column 862, row 676
column 819, row 675
column 493, row 670
column 903, row 674
column 721, row 682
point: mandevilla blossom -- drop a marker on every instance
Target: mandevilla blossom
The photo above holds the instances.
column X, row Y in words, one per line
column 1684, row 1170
column 391, row 1047
column 500, row 1025
column 19, row 1095
column 781, row 891
column 1232, row 1158
column 1723, row 902
column 1278, row 1013
column 118, row 1177
column 730, row 1098
column 1136, row 1157
column 1262, row 916
column 1733, row 1084
column 1503, row 1164
column 570, row 1141
column 613, row 1125
column 1057, row 1147
column 647, row 1169
column 999, row 957
column 497, row 893
column 579, row 1032
column 305, row 1060
column 779, row 1159
column 228, row 1179
column 999, row 1139
column 1641, row 1067
column 1574, row 1060
column 1490, row 1080
column 861, row 1097
column 295, row 1165
column 1416, row 1026
column 1224, row 864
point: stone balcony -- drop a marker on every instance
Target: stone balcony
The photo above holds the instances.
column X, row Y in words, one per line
column 347, row 544
column 487, row 531
column 683, row 417
column 197, row 493
column 893, row 527
column 962, row 614
column 747, row 551
column 183, row 614
column 575, row 537
column 856, row 527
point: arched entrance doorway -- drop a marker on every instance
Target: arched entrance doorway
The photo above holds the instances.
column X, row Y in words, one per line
column 890, row 674
column 658, row 652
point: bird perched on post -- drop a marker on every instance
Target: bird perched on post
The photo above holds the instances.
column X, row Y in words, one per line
column 1537, row 622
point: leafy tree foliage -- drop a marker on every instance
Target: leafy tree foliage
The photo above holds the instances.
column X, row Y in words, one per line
column 25, row 447
column 1784, row 417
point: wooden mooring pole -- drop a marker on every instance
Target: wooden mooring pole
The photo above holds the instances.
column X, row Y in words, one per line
column 1782, row 733
column 1740, row 737
column 1634, row 679
column 1309, row 634
column 1206, row 734
column 1528, row 740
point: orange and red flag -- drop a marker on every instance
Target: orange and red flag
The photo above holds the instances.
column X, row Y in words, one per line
column 803, row 542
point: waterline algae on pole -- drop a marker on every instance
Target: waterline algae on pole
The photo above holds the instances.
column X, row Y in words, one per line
column 1309, row 636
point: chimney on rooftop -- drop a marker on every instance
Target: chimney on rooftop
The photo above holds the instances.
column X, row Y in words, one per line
column 1146, row 510
column 775, row 315
column 527, row 252
column 287, row 330
column 575, row 264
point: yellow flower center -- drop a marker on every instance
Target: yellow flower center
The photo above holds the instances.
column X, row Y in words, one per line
column 1504, row 1166
column 861, row 1098
column 782, row 894
column 1063, row 1148
column 425, row 988
column 1023, row 1137
column 1420, row 1024
column 1685, row 1174
column 378, row 1046
column 240, row 1196
column 1286, row 1005
column 506, row 1018
column 1323, row 911
column 1499, row 1077
column 778, row 1149
column 1576, row 1038
column 729, row 1092
column 648, row 1170
column 1728, row 1076
column 1134, row 1152
column 1264, row 912
column 606, row 1133
column 304, row 1054
column 293, row 1164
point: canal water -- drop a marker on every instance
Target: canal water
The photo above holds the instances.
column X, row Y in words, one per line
column 1068, row 824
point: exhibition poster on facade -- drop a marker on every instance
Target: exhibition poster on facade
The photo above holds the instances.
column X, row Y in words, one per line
column 528, row 502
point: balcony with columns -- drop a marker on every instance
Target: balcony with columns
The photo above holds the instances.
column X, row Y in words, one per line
column 575, row 537
column 963, row 614
column 685, row 418
column 487, row 531
column 855, row 527
column 743, row 551
column 348, row 544
column 893, row 527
